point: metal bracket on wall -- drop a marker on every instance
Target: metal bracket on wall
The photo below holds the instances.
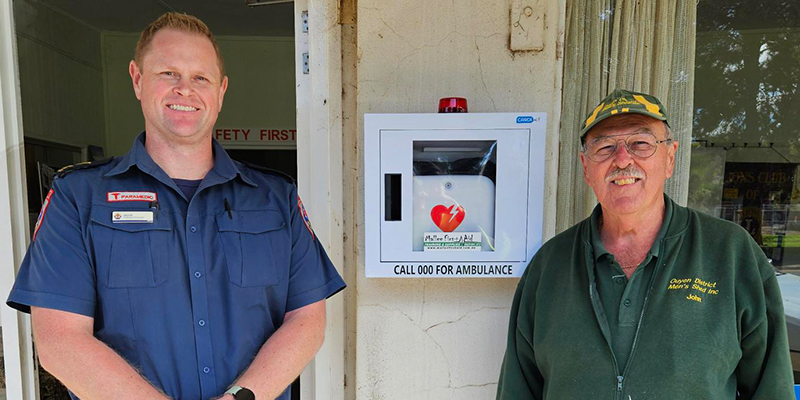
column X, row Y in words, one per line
column 527, row 25
column 304, row 16
column 305, row 63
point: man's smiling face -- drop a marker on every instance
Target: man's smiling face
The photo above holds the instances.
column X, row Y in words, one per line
column 623, row 183
column 180, row 86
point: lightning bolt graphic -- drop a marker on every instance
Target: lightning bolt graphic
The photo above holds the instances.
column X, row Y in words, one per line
column 453, row 210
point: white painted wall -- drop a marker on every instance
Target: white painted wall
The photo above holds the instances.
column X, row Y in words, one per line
column 60, row 74
column 320, row 173
column 19, row 379
column 444, row 338
column 261, row 89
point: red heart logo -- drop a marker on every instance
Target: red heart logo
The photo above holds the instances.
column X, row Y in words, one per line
column 446, row 218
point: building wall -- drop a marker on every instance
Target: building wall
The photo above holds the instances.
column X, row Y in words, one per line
column 444, row 338
column 261, row 92
column 61, row 76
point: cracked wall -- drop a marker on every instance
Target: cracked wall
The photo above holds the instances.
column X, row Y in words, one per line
column 444, row 338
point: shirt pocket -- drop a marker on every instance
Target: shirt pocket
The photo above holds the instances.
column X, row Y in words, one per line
column 257, row 246
column 130, row 255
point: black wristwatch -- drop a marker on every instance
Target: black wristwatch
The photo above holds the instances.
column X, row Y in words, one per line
column 240, row 393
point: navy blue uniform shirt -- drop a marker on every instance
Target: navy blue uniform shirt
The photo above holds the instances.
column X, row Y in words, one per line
column 186, row 290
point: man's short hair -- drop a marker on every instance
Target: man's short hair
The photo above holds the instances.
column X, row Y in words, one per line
column 179, row 22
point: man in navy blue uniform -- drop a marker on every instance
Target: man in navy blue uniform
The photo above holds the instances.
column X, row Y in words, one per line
column 174, row 272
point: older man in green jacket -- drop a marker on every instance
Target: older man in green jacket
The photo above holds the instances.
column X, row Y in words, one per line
column 654, row 300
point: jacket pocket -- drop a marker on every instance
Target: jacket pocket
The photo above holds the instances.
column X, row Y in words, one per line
column 129, row 255
column 257, row 247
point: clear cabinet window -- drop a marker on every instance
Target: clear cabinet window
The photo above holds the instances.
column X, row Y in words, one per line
column 454, row 195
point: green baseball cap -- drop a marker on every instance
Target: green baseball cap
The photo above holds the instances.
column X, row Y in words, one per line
column 621, row 101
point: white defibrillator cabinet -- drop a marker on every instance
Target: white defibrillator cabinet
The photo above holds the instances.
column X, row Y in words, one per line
column 453, row 195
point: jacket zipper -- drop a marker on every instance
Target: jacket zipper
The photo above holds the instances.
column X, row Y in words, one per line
column 620, row 378
column 659, row 263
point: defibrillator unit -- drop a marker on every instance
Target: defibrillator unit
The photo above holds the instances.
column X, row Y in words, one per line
column 453, row 195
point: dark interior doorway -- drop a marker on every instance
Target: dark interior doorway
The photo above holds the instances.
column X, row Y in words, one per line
column 280, row 160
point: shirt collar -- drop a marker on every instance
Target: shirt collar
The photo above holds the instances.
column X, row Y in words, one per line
column 597, row 243
column 224, row 168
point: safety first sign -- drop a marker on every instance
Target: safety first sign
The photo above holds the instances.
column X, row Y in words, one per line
column 257, row 137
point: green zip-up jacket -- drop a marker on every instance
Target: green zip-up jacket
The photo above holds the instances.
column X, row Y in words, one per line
column 712, row 322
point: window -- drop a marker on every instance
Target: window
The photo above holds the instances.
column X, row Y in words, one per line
column 746, row 133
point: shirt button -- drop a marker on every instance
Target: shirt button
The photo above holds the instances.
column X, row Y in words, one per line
column 206, row 370
column 619, row 280
column 627, row 302
column 202, row 322
column 197, row 274
column 193, row 229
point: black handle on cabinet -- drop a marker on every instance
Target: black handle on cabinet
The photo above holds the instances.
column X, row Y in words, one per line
column 392, row 197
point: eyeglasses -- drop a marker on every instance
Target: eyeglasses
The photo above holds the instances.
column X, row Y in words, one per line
column 639, row 145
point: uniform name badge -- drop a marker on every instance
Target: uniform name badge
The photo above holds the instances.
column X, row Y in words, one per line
column 132, row 217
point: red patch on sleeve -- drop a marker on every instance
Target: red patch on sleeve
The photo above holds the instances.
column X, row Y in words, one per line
column 305, row 216
column 41, row 213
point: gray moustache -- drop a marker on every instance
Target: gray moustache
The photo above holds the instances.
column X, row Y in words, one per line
column 629, row 171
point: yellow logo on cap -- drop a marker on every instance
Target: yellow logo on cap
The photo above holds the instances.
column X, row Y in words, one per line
column 593, row 116
column 653, row 108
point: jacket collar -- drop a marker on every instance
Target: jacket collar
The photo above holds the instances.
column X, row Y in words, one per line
column 676, row 227
column 594, row 232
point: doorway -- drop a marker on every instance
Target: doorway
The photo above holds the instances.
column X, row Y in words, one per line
column 78, row 103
